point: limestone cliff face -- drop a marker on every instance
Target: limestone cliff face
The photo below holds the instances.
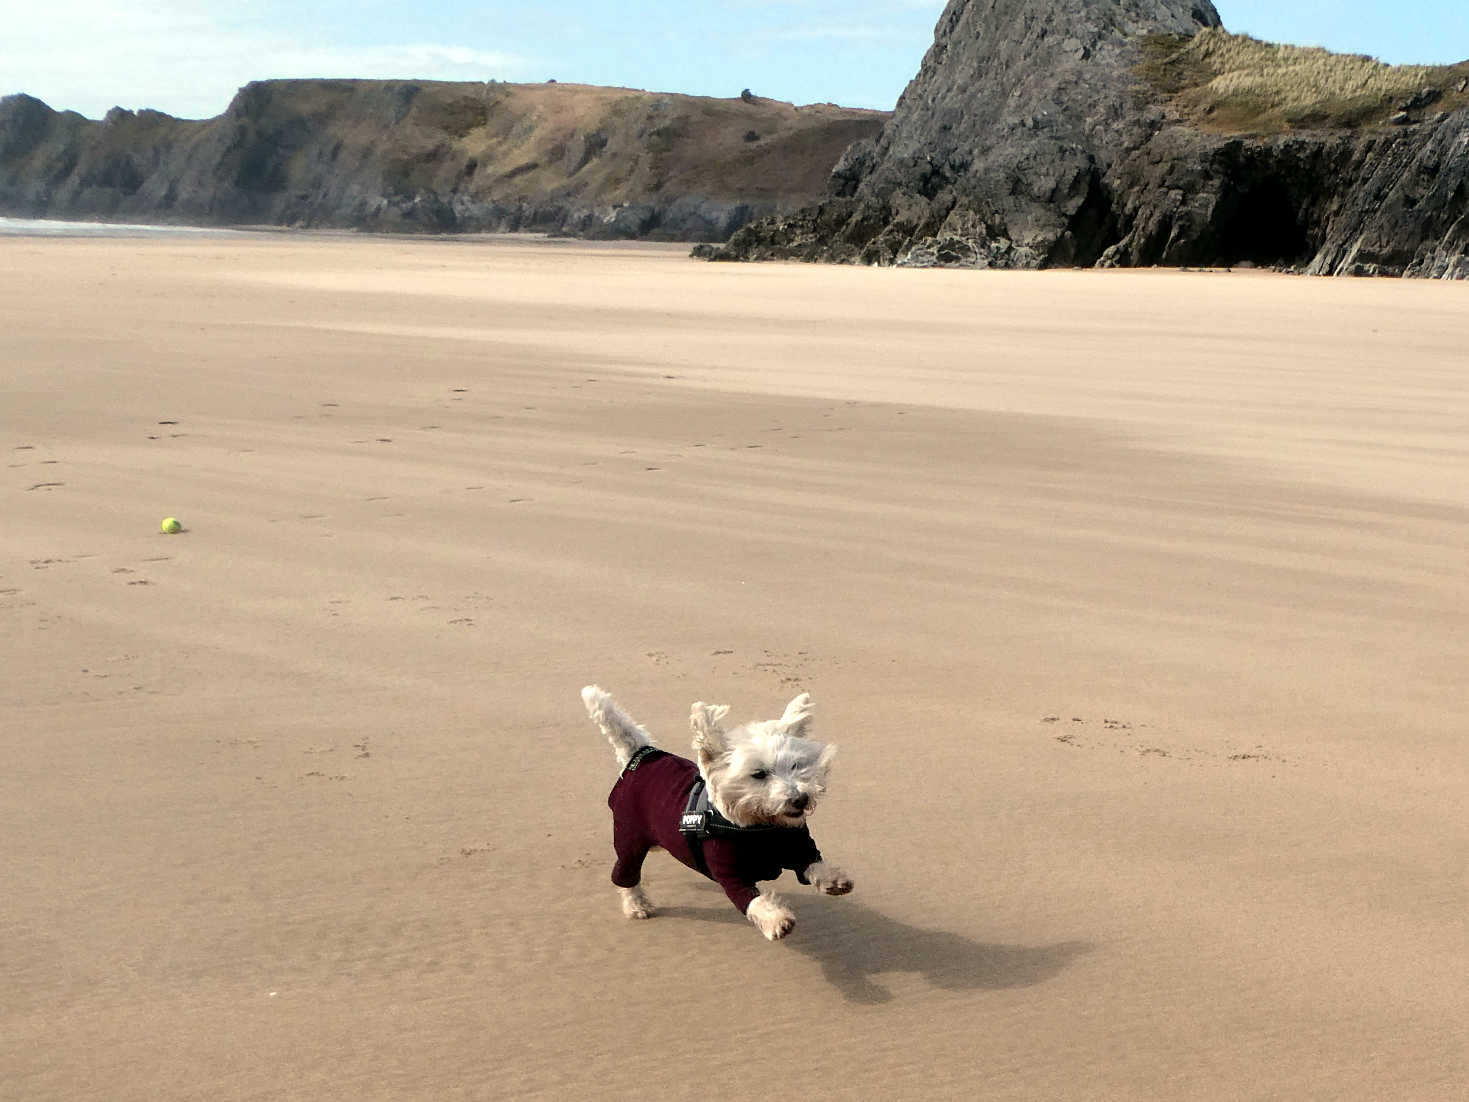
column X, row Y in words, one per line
column 433, row 157
column 1028, row 139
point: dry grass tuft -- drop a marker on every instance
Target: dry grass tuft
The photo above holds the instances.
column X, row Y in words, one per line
column 1234, row 83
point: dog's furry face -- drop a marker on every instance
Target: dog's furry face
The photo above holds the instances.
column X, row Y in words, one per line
column 762, row 774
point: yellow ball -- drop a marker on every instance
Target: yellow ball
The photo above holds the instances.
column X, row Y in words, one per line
column 171, row 525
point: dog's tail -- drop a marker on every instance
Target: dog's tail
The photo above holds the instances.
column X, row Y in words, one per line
column 626, row 737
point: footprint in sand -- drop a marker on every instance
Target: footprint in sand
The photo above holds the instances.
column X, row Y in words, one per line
column 1130, row 732
column 789, row 668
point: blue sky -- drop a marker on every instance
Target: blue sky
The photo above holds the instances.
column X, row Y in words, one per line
column 188, row 57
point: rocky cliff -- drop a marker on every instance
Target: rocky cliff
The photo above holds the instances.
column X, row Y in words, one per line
column 1043, row 133
column 433, row 157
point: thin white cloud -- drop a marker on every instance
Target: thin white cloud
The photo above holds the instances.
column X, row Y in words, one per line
column 834, row 31
column 833, row 20
column 424, row 60
column 87, row 56
column 856, row 9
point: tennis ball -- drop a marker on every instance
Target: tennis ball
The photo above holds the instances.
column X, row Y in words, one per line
column 171, row 525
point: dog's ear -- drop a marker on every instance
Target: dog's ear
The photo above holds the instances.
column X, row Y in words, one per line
column 797, row 718
column 823, row 763
column 707, row 722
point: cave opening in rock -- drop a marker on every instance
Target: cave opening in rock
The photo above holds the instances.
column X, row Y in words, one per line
column 1093, row 228
column 1261, row 224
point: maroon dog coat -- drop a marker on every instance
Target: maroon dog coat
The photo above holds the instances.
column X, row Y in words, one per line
column 648, row 803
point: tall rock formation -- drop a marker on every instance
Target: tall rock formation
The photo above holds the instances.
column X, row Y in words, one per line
column 1031, row 138
column 999, row 150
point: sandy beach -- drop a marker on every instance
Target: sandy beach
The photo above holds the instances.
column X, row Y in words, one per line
column 1136, row 603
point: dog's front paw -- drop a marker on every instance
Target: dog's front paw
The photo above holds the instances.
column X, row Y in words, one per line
column 771, row 917
column 828, row 878
column 635, row 904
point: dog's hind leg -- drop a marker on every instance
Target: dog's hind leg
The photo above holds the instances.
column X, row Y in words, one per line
column 626, row 737
column 627, row 873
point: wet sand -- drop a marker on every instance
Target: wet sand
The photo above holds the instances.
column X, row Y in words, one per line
column 1135, row 601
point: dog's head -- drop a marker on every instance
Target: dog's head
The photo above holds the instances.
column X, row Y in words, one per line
column 767, row 773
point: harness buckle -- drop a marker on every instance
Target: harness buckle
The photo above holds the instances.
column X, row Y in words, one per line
column 693, row 822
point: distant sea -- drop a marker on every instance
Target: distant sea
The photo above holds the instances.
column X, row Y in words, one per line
column 45, row 227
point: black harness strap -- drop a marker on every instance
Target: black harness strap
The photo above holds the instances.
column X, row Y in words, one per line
column 643, row 753
column 694, row 824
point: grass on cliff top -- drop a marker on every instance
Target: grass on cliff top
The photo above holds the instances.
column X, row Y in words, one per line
column 1236, row 84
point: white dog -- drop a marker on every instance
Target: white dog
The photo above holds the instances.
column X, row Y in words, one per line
column 737, row 817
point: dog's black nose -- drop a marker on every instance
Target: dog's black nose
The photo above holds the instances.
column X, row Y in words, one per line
column 800, row 802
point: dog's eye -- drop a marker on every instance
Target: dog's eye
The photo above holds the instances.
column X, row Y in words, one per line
column 759, row 775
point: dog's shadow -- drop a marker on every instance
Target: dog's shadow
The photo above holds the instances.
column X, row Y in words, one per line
column 854, row 943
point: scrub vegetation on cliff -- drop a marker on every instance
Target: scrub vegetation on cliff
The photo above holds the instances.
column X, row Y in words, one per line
column 1232, row 83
